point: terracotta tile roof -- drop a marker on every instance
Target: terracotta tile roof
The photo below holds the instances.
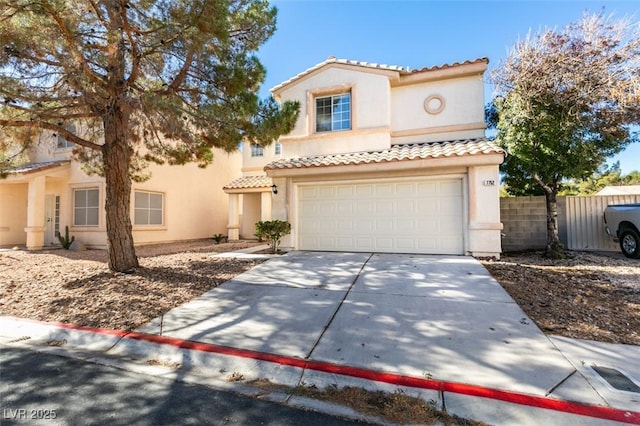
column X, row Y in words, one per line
column 370, row 65
column 250, row 182
column 35, row 167
column 395, row 153
column 453, row 65
column 333, row 60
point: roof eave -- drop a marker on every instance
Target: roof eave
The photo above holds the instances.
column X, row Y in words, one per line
column 277, row 90
column 467, row 160
column 467, row 69
column 247, row 190
column 56, row 168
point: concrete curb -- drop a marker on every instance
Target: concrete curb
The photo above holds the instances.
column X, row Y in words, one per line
column 228, row 364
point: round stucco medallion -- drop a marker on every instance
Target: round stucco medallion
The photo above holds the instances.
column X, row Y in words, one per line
column 434, row 104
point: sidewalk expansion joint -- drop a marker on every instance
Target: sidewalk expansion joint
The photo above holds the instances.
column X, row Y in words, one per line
column 326, row 327
column 557, row 385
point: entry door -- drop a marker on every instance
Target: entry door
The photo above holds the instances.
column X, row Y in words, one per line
column 51, row 219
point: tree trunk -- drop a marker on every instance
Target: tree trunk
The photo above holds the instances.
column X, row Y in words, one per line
column 116, row 155
column 554, row 246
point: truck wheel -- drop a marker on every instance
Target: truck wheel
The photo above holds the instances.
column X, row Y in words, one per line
column 630, row 243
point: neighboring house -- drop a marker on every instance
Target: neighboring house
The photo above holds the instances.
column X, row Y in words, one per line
column 39, row 199
column 620, row 190
column 381, row 159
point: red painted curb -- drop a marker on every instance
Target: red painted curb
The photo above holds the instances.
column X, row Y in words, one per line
column 606, row 413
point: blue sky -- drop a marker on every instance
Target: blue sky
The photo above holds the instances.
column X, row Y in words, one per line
column 417, row 34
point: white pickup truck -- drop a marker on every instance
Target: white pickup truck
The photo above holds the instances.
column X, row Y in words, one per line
column 622, row 222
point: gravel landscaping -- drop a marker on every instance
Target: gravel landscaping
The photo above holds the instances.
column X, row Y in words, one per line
column 593, row 296
column 78, row 288
column 588, row 295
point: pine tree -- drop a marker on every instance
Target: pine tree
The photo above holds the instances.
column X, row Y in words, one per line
column 144, row 81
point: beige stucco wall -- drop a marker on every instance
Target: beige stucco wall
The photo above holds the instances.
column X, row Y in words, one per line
column 195, row 204
column 461, row 115
column 484, row 225
column 254, row 166
column 384, row 112
column 370, row 112
column 13, row 214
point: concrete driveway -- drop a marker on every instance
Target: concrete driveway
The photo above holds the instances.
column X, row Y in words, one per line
column 440, row 317
column 437, row 327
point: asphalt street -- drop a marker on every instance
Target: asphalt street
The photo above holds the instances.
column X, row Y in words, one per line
column 39, row 388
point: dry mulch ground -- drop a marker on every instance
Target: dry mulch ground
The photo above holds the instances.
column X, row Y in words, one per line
column 588, row 295
column 591, row 296
column 78, row 288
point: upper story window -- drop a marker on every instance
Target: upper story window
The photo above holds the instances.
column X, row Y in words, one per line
column 333, row 113
column 278, row 148
column 62, row 141
column 86, row 207
column 257, row 150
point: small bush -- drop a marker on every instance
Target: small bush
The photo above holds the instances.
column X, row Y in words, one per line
column 273, row 231
column 261, row 232
column 219, row 238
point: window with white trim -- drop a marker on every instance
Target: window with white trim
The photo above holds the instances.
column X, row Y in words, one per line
column 148, row 208
column 278, row 148
column 333, row 113
column 62, row 142
column 257, row 150
column 86, row 207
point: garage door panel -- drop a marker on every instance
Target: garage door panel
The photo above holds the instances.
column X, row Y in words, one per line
column 345, row 192
column 365, row 227
column 426, row 189
column 450, row 187
column 446, row 227
column 385, row 190
column 345, row 208
column 405, row 244
column 365, row 208
column 363, row 190
column 427, row 206
column 405, row 208
column 448, row 246
column 384, row 208
column 327, row 209
column 427, row 228
column 384, row 244
column 421, row 216
column 405, row 189
column 364, row 244
column 384, row 227
column 326, row 192
column 405, row 227
column 345, row 226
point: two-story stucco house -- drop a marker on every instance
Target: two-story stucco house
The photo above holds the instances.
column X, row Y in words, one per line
column 39, row 199
column 381, row 159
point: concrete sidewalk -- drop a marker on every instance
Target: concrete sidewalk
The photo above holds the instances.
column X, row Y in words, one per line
column 440, row 319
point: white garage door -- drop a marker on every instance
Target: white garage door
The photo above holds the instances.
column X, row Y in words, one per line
column 417, row 216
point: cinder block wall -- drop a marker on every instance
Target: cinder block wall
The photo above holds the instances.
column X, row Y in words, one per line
column 524, row 222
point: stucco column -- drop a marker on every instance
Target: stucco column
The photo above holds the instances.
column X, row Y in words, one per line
column 473, row 195
column 35, row 213
column 233, row 228
column 265, row 205
column 484, row 211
